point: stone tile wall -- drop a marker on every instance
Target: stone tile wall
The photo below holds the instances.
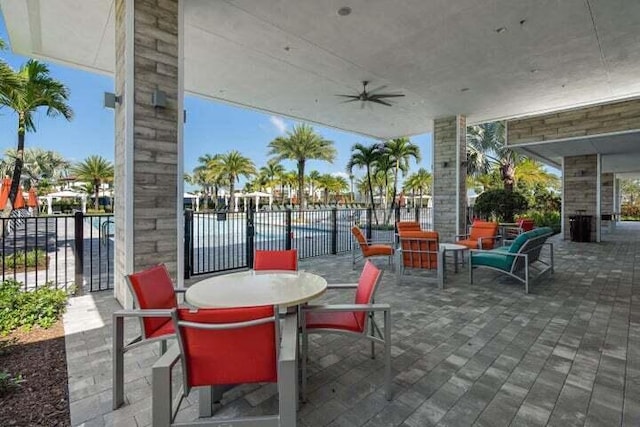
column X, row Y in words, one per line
column 155, row 141
column 594, row 120
column 606, row 193
column 446, row 132
column 580, row 175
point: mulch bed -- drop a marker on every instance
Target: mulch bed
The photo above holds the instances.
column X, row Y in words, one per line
column 42, row 398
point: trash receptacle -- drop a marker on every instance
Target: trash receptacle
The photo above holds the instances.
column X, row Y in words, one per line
column 580, row 228
column 221, row 216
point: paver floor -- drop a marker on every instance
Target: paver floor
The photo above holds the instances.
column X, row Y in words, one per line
column 484, row 355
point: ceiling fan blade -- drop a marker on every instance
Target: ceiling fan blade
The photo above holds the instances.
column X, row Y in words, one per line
column 349, row 96
column 387, row 95
column 349, row 100
column 379, row 101
column 377, row 89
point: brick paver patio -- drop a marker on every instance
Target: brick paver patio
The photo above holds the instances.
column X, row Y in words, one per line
column 484, row 355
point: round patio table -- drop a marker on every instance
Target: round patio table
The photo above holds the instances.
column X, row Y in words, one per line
column 455, row 248
column 253, row 288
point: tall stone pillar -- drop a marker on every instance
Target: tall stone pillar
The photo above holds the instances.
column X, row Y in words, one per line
column 606, row 194
column 449, row 176
column 580, row 184
column 148, row 153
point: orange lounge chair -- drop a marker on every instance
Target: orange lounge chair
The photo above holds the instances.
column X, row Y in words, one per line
column 370, row 249
column 482, row 235
column 420, row 249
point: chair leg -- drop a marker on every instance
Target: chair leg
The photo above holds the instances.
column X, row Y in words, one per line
column 387, row 352
column 163, row 347
column 118, row 362
column 371, row 328
column 304, row 355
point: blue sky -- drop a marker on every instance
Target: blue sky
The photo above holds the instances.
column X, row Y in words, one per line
column 211, row 127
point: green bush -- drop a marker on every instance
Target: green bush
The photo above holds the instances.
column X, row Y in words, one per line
column 545, row 219
column 630, row 212
column 32, row 258
column 27, row 309
column 500, row 205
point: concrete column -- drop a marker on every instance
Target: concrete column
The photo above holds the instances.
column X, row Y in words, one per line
column 449, row 176
column 579, row 179
column 148, row 153
column 606, row 194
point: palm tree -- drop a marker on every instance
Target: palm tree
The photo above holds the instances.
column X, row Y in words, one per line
column 365, row 157
column 233, row 165
column 302, row 144
column 271, row 173
column 36, row 89
column 9, row 81
column 314, row 177
column 383, row 173
column 419, row 181
column 486, row 148
column 400, row 152
column 95, row 170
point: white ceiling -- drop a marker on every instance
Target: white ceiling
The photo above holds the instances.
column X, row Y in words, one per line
column 291, row 57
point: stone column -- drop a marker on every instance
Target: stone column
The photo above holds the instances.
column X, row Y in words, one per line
column 580, row 190
column 148, row 139
column 606, row 194
column 449, row 176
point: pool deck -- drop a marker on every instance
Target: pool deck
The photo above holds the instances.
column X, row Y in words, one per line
column 484, row 355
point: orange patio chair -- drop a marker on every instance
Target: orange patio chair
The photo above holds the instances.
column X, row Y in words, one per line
column 227, row 346
column 154, row 298
column 370, row 249
column 421, row 250
column 482, row 235
column 276, row 260
column 403, row 226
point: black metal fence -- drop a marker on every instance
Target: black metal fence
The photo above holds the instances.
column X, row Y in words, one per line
column 223, row 241
column 59, row 251
column 77, row 250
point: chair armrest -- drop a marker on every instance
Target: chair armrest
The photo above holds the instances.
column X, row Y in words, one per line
column 168, row 359
column 143, row 313
column 342, row 286
column 346, row 307
column 458, row 236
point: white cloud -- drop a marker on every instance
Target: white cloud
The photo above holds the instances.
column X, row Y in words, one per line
column 342, row 174
column 279, row 124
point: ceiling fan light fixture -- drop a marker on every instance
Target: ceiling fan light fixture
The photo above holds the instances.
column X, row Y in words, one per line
column 344, row 11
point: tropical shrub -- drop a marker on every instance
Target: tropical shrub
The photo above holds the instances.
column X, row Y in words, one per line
column 545, row 219
column 27, row 309
column 500, row 205
column 21, row 259
column 630, row 212
column 9, row 383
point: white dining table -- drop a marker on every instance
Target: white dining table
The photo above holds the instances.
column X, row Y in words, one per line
column 254, row 288
column 248, row 289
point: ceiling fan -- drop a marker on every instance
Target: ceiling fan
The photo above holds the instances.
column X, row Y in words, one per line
column 371, row 95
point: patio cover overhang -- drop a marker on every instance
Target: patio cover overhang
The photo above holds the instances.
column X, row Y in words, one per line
column 487, row 60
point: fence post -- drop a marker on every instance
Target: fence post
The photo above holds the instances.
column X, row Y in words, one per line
column 250, row 237
column 417, row 214
column 369, row 220
column 397, row 213
column 188, row 243
column 78, row 227
column 334, row 231
column 288, row 237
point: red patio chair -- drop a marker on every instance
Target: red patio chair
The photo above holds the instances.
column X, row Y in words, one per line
column 355, row 319
column 421, row 250
column 219, row 347
column 276, row 260
column 154, row 298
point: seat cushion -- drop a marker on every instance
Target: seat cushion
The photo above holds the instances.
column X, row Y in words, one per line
column 492, row 259
column 373, row 250
column 471, row 244
column 165, row 329
column 343, row 320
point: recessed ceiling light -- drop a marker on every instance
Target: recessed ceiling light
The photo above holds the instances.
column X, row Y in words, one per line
column 501, row 30
column 464, row 89
column 533, row 70
column 523, row 21
column 287, row 48
column 344, row 11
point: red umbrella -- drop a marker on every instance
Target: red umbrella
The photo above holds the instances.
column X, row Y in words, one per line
column 4, row 192
column 32, row 201
column 19, row 203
